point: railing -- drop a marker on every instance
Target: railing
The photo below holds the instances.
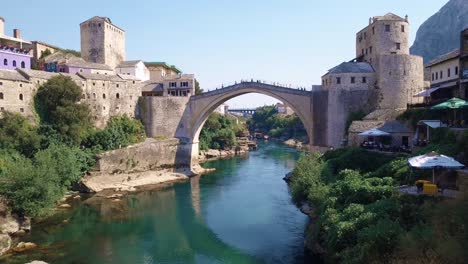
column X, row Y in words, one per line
column 265, row 84
column 14, row 50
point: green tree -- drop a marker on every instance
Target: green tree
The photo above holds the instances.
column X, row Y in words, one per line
column 120, row 131
column 17, row 133
column 57, row 104
column 198, row 90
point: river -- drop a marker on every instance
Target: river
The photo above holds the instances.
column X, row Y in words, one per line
column 242, row 213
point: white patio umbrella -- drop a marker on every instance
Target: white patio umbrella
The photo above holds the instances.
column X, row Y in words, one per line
column 434, row 160
column 374, row 132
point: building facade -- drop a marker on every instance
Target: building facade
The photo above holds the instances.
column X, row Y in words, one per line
column 14, row 51
column 102, row 42
column 135, row 68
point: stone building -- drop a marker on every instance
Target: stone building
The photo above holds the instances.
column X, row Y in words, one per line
column 68, row 63
column 380, row 80
column 38, row 49
column 107, row 95
column 161, row 70
column 102, row 42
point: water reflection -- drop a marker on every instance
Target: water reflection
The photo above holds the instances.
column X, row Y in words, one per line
column 240, row 214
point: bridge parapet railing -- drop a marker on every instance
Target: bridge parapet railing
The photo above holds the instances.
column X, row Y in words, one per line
column 270, row 85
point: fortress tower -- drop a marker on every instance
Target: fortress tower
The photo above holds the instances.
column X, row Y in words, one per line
column 384, row 44
column 102, row 41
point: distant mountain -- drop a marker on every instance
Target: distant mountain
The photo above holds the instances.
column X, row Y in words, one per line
column 441, row 32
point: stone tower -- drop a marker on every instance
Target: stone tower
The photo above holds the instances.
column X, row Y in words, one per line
column 384, row 44
column 102, row 41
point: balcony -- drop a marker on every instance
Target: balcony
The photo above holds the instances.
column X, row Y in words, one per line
column 14, row 50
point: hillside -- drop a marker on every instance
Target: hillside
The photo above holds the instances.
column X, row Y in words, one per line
column 441, row 32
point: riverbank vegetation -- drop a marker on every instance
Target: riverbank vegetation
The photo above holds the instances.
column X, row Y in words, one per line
column 40, row 161
column 220, row 132
column 268, row 121
column 359, row 217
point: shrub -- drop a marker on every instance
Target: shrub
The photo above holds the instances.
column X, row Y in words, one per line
column 17, row 133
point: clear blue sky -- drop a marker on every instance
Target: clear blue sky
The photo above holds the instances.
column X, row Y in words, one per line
column 287, row 41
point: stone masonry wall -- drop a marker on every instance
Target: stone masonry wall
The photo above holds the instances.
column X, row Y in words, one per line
column 320, row 112
column 402, row 76
column 149, row 155
column 162, row 115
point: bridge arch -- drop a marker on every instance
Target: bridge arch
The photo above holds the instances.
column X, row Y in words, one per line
column 203, row 105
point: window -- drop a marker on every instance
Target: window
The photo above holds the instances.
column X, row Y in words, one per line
column 21, row 97
column 14, row 63
column 184, row 84
column 353, row 79
column 456, row 70
column 433, row 76
column 441, row 75
column 398, row 46
column 5, row 62
column 117, row 85
column 366, row 51
column 23, row 65
column 117, row 95
column 364, row 79
column 1, row 96
column 373, row 30
column 338, row 80
column 402, row 28
column 362, row 51
column 94, row 84
column 172, row 84
column 448, row 73
column 2, row 109
column 94, row 95
column 437, row 76
column 1, row 83
column 387, row 28
column 370, row 49
column 103, row 96
column 21, row 85
column 103, row 84
column 22, row 110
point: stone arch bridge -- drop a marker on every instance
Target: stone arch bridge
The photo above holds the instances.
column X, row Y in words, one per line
column 201, row 106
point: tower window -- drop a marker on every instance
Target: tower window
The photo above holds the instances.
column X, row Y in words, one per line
column 21, row 97
column 398, row 46
column 1, row 96
column 117, row 95
column 373, row 30
column 353, row 79
column 387, row 28
column 103, row 96
column 402, row 28
column 364, row 79
column 338, row 80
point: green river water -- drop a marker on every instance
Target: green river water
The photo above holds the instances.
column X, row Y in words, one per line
column 242, row 213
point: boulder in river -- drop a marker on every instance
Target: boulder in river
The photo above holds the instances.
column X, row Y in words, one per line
column 5, row 243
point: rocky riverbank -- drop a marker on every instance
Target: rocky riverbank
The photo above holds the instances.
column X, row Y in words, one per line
column 12, row 227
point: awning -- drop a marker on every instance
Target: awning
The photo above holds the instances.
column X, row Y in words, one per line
column 426, row 93
column 447, row 85
column 434, row 160
column 374, row 132
column 432, row 123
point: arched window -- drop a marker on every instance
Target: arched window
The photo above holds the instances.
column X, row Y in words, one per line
column 23, row 65
column 1, row 96
column 117, row 95
column 21, row 97
column 103, row 96
column 5, row 62
column 14, row 63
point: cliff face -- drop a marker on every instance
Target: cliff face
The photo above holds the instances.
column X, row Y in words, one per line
column 441, row 32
